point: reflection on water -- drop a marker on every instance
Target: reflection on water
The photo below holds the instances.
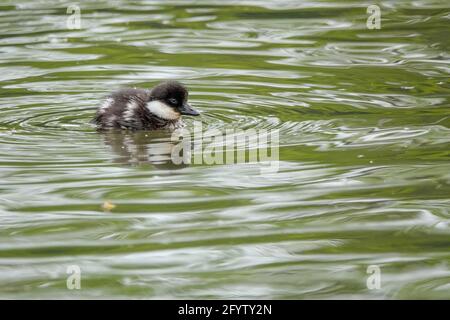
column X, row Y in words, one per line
column 364, row 167
column 138, row 148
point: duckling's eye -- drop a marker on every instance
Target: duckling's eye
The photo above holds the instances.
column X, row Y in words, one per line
column 173, row 101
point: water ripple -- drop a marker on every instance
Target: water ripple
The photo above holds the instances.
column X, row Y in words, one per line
column 363, row 175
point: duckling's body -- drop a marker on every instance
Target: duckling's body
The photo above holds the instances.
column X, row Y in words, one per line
column 141, row 109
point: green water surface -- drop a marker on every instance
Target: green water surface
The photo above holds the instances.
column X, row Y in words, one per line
column 363, row 119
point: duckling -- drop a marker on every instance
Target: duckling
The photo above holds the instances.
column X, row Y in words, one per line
column 141, row 109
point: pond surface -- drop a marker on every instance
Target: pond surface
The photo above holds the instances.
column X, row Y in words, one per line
column 363, row 120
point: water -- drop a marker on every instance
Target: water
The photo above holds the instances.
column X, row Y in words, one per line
column 363, row 117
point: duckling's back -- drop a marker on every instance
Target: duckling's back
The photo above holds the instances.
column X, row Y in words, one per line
column 123, row 109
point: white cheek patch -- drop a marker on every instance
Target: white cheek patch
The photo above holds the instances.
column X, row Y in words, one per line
column 162, row 110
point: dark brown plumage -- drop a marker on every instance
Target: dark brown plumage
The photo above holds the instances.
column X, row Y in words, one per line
column 140, row 109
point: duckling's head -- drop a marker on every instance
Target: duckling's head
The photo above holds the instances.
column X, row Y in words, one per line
column 169, row 100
